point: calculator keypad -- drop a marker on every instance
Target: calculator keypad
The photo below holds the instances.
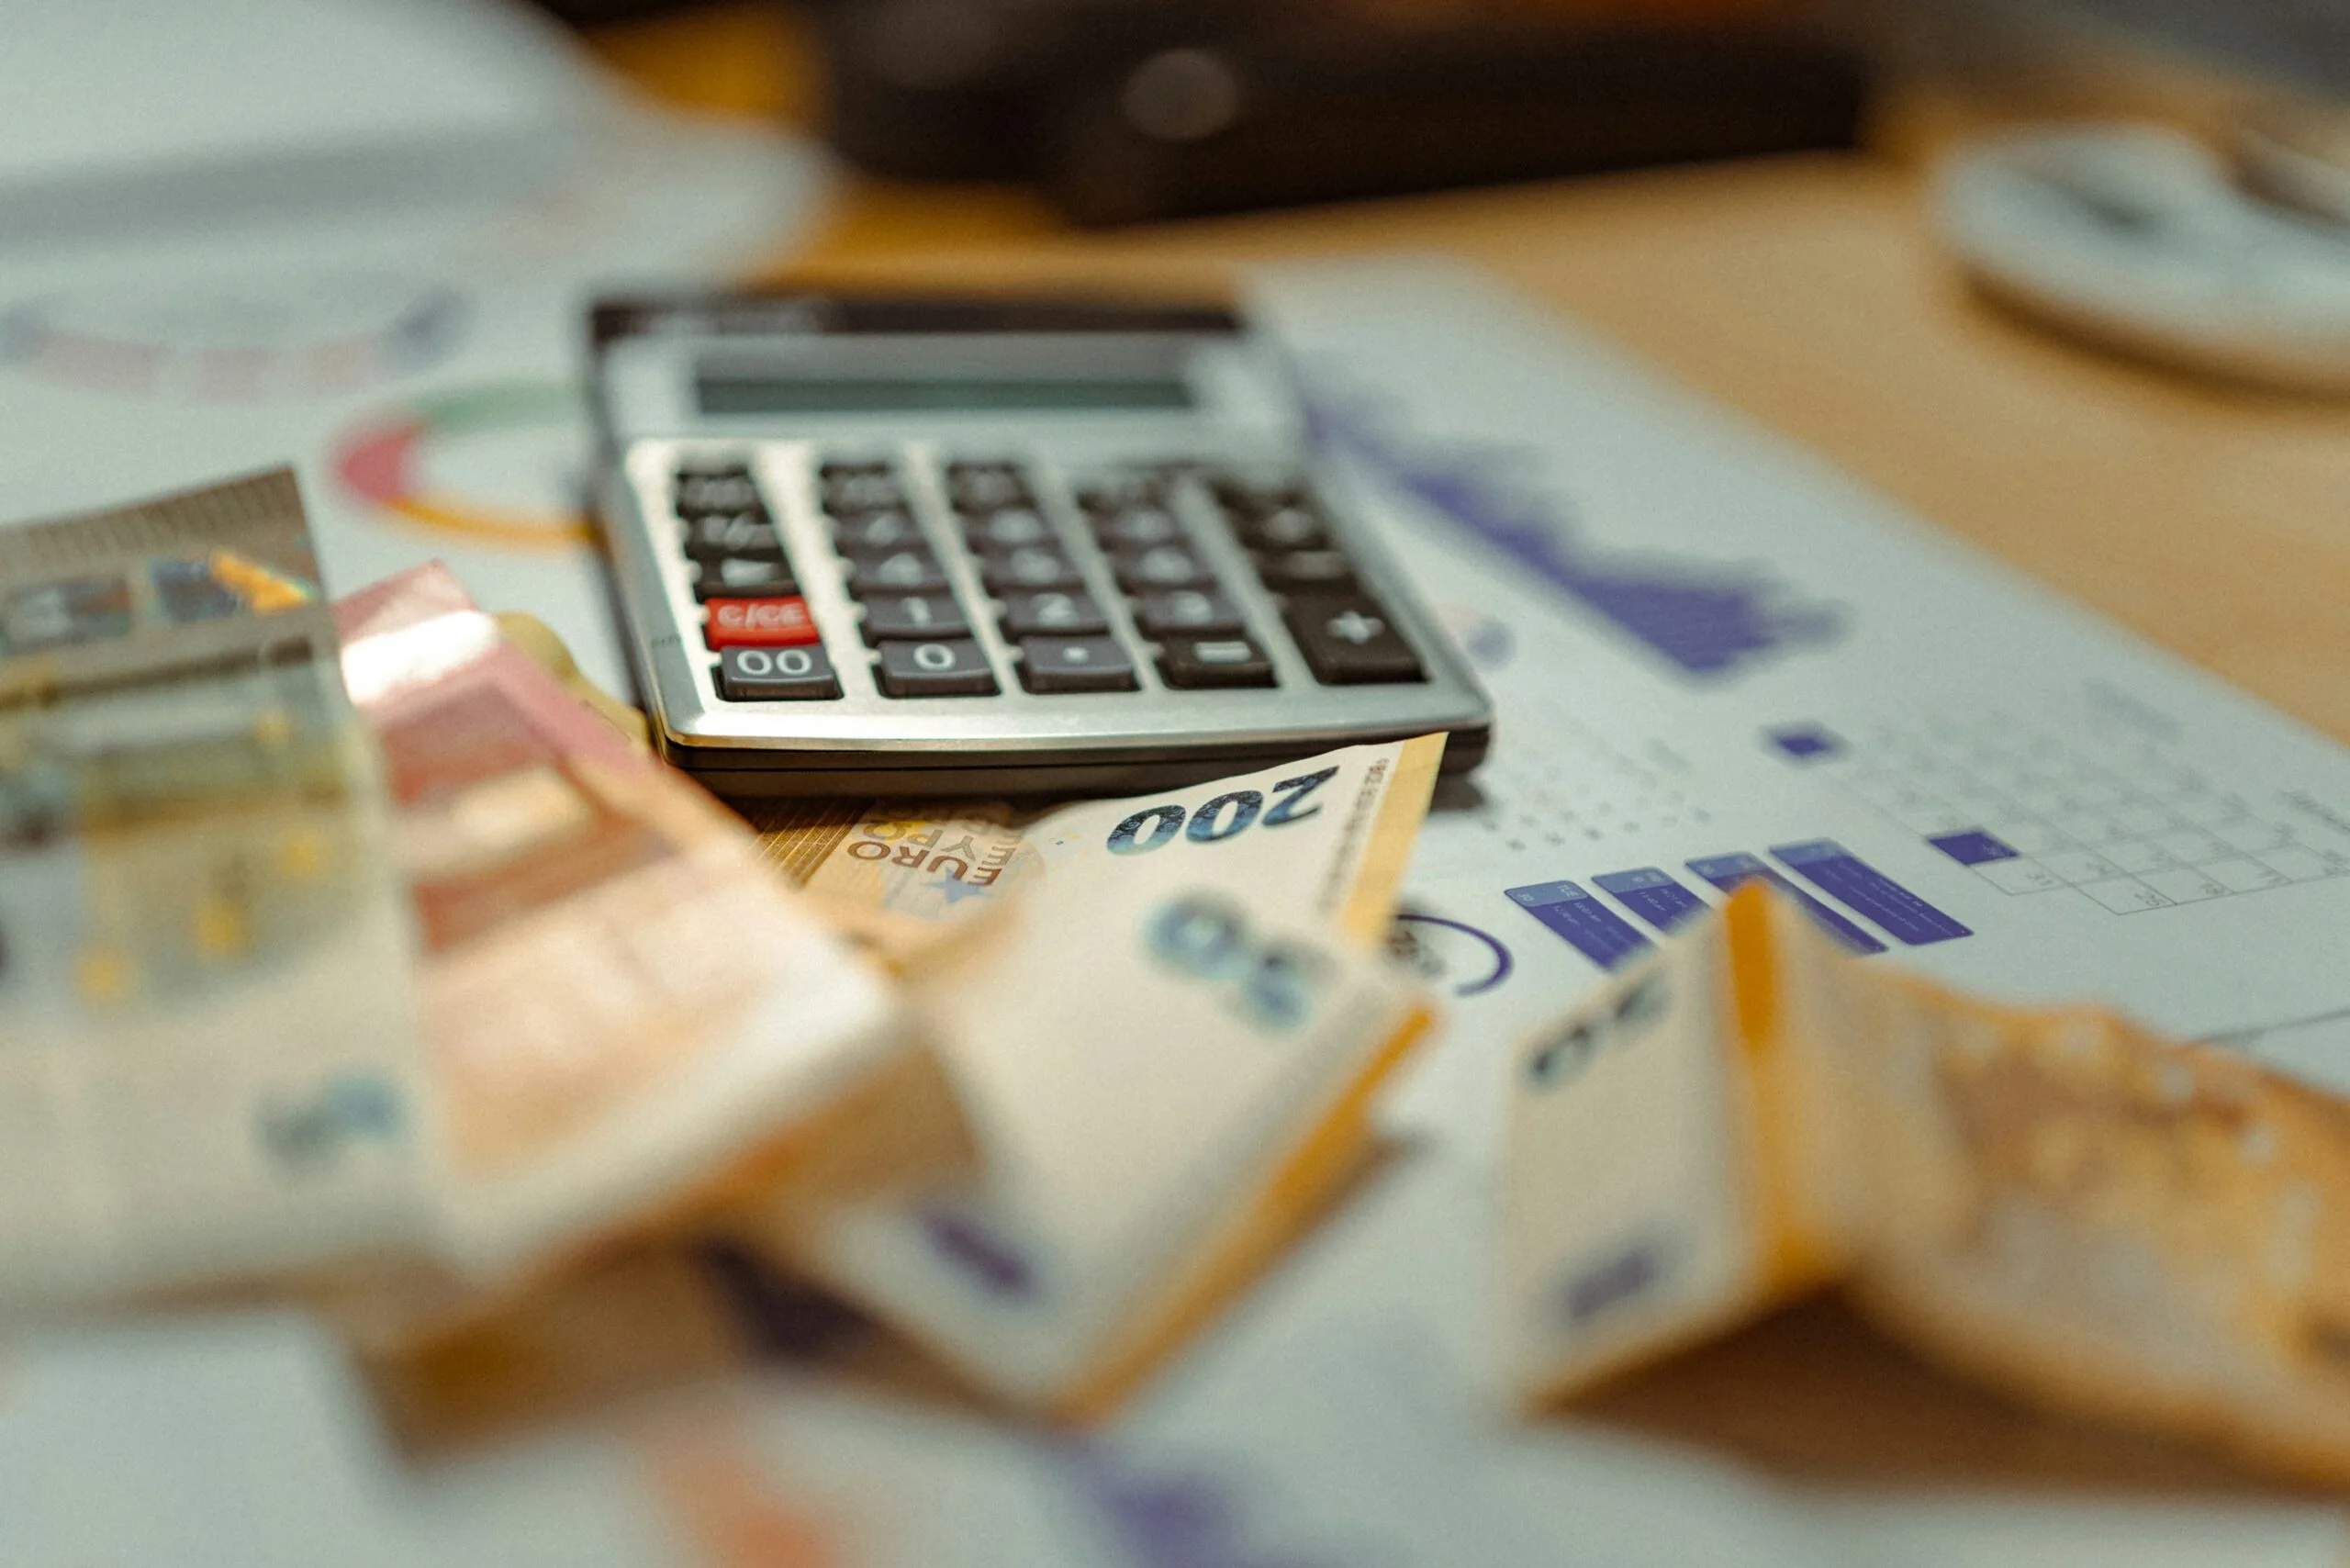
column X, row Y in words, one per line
column 1193, row 631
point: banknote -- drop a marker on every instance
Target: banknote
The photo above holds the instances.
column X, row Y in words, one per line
column 1327, row 837
column 1164, row 1081
column 2056, row 1202
column 208, row 1066
column 623, row 1006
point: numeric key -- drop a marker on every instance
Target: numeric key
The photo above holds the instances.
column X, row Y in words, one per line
column 746, row 535
column 980, row 486
column 1283, row 528
column 1192, row 612
column 776, row 675
column 915, row 615
column 876, row 533
column 948, row 666
column 739, row 577
column 1056, row 611
column 1013, row 527
column 1039, row 566
column 1161, row 567
column 730, row 488
column 1137, row 528
column 895, row 571
column 858, row 486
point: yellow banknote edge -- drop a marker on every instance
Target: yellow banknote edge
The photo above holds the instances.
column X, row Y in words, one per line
column 1369, row 906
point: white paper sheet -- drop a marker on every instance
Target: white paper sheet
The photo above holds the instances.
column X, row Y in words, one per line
column 1342, row 1415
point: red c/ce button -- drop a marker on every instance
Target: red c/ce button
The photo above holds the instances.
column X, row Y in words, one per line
column 760, row 623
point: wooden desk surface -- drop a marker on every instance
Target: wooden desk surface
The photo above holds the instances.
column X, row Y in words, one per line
column 1808, row 293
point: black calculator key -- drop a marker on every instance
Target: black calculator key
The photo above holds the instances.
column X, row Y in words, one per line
column 1075, row 664
column 1063, row 611
column 895, row 571
column 1245, row 500
column 714, row 535
column 1137, row 528
column 945, row 666
column 858, row 486
column 1195, row 612
column 1161, row 567
column 1026, row 570
column 876, row 531
column 1214, row 661
column 776, row 675
column 1116, row 492
column 981, row 486
column 1305, row 571
column 715, row 490
column 1347, row 639
column 916, row 615
column 1011, row 528
column 1284, row 528
column 739, row 577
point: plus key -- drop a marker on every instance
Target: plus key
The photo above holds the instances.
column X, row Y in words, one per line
column 1347, row 639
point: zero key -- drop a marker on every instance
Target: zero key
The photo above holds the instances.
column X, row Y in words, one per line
column 945, row 666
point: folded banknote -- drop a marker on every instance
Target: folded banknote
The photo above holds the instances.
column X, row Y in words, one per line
column 209, row 1070
column 2056, row 1202
column 1166, row 1044
column 623, row 1006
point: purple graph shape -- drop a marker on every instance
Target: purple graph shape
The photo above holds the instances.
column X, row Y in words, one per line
column 1182, row 1519
column 1708, row 620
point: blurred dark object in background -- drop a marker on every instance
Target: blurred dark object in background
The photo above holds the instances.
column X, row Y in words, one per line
column 1127, row 110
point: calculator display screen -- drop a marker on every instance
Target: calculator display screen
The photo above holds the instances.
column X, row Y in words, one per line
column 730, row 391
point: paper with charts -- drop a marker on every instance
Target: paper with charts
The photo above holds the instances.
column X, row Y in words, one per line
column 1706, row 649
column 1714, row 659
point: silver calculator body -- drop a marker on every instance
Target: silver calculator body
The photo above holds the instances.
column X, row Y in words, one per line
column 911, row 546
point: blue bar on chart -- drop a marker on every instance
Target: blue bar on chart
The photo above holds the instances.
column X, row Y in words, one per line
column 1592, row 928
column 1837, row 872
column 1654, row 896
column 1974, row 848
column 1806, row 741
column 1728, row 872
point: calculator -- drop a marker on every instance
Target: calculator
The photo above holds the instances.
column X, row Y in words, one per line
column 886, row 544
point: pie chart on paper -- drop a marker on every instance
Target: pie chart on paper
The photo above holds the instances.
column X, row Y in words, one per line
column 501, row 465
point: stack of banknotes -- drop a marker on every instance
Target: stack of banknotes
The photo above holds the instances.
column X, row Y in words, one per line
column 359, row 955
